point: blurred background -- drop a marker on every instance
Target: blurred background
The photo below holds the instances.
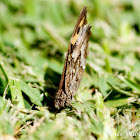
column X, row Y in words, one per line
column 34, row 38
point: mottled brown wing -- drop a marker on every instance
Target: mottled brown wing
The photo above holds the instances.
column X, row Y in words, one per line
column 75, row 62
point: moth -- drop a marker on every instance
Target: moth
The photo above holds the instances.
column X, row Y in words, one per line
column 75, row 62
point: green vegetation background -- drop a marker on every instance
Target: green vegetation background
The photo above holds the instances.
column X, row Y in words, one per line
column 34, row 37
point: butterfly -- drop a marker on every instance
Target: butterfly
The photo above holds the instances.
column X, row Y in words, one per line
column 75, row 62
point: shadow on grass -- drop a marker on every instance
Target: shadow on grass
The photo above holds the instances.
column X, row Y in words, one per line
column 52, row 80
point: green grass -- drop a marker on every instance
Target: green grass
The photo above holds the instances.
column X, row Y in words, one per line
column 34, row 37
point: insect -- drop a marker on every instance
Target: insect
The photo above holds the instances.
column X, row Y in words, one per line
column 75, row 62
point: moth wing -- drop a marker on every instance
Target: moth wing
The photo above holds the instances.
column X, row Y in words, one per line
column 75, row 62
column 81, row 21
column 76, row 56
